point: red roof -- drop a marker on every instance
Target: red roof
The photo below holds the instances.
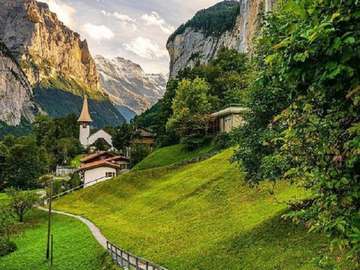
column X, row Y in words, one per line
column 96, row 155
column 110, row 162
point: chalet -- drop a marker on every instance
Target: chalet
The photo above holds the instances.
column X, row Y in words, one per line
column 144, row 137
column 101, row 166
column 226, row 120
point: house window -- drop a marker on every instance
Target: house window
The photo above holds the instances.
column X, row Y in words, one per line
column 110, row 175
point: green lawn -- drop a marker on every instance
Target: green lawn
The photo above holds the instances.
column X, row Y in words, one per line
column 74, row 246
column 170, row 155
column 201, row 216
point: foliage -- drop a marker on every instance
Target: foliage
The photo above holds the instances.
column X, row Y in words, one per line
column 7, row 221
column 25, row 162
column 191, row 107
column 123, row 136
column 59, row 137
column 6, row 246
column 101, row 145
column 21, row 201
column 74, row 246
column 227, row 77
column 138, row 153
column 213, row 21
column 201, row 216
column 304, row 120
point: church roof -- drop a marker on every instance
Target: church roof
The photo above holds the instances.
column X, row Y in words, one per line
column 85, row 115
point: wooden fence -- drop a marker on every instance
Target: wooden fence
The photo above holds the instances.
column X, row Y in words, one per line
column 126, row 260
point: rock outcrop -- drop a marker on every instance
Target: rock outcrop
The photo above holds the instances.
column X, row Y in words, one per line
column 46, row 49
column 56, row 62
column 192, row 45
column 15, row 91
column 128, row 85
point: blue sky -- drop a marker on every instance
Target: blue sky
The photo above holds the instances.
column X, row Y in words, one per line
column 133, row 29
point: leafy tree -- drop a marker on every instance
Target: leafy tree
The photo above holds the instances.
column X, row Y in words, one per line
column 191, row 107
column 123, row 136
column 304, row 119
column 25, row 163
column 59, row 137
column 21, row 201
column 138, row 153
column 7, row 221
column 3, row 154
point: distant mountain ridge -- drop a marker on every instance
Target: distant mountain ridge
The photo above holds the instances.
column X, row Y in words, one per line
column 128, row 86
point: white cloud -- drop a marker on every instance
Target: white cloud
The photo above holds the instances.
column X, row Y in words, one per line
column 98, row 32
column 125, row 20
column 119, row 16
column 64, row 12
column 154, row 19
column 146, row 48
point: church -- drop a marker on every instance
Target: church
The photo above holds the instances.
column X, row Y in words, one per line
column 86, row 138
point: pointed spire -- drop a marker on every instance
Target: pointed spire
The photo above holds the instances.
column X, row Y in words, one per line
column 85, row 115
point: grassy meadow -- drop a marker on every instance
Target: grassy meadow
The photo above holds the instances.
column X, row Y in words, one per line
column 74, row 246
column 201, row 216
column 171, row 155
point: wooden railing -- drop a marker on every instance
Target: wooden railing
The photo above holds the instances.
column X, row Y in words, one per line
column 126, row 260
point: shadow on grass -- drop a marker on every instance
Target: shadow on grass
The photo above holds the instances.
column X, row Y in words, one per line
column 272, row 245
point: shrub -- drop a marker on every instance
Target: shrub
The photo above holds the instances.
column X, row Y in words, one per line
column 6, row 246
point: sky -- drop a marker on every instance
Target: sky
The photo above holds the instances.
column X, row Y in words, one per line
column 133, row 29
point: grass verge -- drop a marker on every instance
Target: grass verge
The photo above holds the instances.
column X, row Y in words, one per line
column 202, row 216
column 74, row 246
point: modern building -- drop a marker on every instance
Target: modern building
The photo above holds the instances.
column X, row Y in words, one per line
column 228, row 119
column 101, row 166
column 87, row 139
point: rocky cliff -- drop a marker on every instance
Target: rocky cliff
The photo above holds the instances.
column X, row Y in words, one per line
column 128, row 86
column 193, row 43
column 46, row 49
column 15, row 91
column 56, row 62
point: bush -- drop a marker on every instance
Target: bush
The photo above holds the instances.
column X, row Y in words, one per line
column 193, row 142
column 138, row 153
column 223, row 141
column 6, row 246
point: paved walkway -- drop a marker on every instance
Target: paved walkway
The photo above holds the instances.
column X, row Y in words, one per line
column 92, row 227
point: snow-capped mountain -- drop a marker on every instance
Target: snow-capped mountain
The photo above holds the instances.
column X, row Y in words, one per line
column 128, row 86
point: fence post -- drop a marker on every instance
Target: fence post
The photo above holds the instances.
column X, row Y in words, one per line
column 137, row 263
column 128, row 259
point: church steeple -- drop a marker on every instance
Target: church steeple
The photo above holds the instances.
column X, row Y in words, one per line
column 85, row 115
column 84, row 120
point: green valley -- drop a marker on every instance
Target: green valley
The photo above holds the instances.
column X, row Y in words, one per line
column 201, row 216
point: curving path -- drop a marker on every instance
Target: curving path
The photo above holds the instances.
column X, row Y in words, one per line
column 95, row 231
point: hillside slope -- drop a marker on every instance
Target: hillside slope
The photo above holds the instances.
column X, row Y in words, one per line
column 200, row 216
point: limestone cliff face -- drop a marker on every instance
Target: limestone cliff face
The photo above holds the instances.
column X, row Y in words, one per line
column 194, row 45
column 46, row 49
column 15, row 91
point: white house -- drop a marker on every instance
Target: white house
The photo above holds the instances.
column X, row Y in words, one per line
column 101, row 166
column 87, row 139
